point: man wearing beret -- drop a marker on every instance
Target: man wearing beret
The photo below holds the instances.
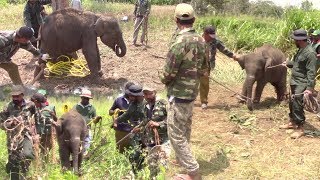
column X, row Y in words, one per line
column 302, row 81
column 20, row 148
column 10, row 42
column 187, row 61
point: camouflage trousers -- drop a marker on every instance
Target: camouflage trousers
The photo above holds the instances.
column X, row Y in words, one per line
column 179, row 131
column 137, row 24
column 13, row 72
column 158, row 157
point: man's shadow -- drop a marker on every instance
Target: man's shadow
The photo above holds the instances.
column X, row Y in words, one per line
column 215, row 165
column 311, row 131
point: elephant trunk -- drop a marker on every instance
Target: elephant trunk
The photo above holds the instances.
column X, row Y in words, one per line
column 75, row 145
column 121, row 49
column 249, row 85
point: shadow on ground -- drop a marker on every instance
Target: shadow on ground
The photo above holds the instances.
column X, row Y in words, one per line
column 215, row 165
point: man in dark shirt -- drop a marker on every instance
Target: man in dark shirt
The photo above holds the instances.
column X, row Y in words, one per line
column 209, row 35
column 120, row 105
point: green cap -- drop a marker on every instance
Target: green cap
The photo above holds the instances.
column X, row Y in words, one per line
column 316, row 33
column 42, row 91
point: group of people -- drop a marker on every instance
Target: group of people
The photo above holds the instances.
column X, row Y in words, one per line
column 28, row 124
column 142, row 121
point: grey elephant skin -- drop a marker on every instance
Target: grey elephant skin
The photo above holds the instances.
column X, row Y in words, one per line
column 263, row 66
column 68, row 30
column 71, row 130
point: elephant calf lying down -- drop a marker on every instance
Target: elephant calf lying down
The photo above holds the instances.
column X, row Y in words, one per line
column 71, row 131
column 263, row 66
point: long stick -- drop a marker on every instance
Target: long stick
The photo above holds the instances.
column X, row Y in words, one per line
column 42, row 66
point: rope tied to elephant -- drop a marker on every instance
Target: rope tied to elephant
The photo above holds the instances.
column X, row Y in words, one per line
column 67, row 66
column 236, row 93
column 310, row 102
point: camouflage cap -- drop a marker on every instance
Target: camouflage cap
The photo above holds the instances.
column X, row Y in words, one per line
column 42, row 91
column 17, row 90
column 184, row 11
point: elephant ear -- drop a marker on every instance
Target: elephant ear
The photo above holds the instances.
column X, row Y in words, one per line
column 99, row 27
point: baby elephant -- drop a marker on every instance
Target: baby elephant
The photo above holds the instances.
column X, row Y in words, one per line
column 71, row 130
column 263, row 66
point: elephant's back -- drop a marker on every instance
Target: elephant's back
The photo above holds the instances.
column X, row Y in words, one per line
column 276, row 54
column 72, row 117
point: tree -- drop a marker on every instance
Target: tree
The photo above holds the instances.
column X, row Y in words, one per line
column 306, row 5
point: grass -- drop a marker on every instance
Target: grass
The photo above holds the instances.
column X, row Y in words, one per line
column 228, row 141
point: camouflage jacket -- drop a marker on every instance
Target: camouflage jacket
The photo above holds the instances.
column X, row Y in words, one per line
column 88, row 112
column 158, row 113
column 8, row 47
column 26, row 111
column 142, row 7
column 217, row 44
column 187, row 60
column 304, row 68
column 43, row 122
column 134, row 114
column 32, row 13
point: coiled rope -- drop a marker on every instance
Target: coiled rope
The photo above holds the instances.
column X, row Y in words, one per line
column 310, row 103
column 70, row 67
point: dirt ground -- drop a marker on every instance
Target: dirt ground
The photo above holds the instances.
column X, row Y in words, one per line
column 229, row 141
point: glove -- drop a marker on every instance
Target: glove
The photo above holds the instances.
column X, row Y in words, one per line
column 43, row 58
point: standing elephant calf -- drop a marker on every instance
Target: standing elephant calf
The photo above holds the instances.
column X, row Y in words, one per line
column 71, row 132
column 68, row 30
column 263, row 66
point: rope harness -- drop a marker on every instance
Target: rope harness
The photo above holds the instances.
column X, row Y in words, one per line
column 70, row 67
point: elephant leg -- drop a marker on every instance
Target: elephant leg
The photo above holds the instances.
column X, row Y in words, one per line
column 91, row 53
column 281, row 90
column 64, row 152
column 242, row 98
column 248, row 84
column 258, row 92
column 75, row 146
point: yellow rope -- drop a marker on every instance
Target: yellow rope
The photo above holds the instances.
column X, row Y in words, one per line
column 71, row 67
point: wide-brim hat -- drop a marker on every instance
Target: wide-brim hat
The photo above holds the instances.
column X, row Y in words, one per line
column 299, row 34
column 134, row 90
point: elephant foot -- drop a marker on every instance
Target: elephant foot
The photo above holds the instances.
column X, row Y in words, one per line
column 256, row 101
column 250, row 105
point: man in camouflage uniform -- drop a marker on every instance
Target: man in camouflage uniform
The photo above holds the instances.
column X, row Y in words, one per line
column 209, row 35
column 134, row 116
column 10, row 42
column 302, row 81
column 32, row 15
column 155, row 131
column 47, row 114
column 186, row 62
column 141, row 13
column 316, row 43
column 88, row 111
column 15, row 120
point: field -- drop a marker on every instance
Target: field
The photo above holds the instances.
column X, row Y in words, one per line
column 228, row 141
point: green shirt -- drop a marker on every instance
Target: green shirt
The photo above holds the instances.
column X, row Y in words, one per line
column 186, row 62
column 88, row 112
column 142, row 7
column 304, row 68
column 217, row 44
column 134, row 114
column 8, row 47
column 43, row 122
